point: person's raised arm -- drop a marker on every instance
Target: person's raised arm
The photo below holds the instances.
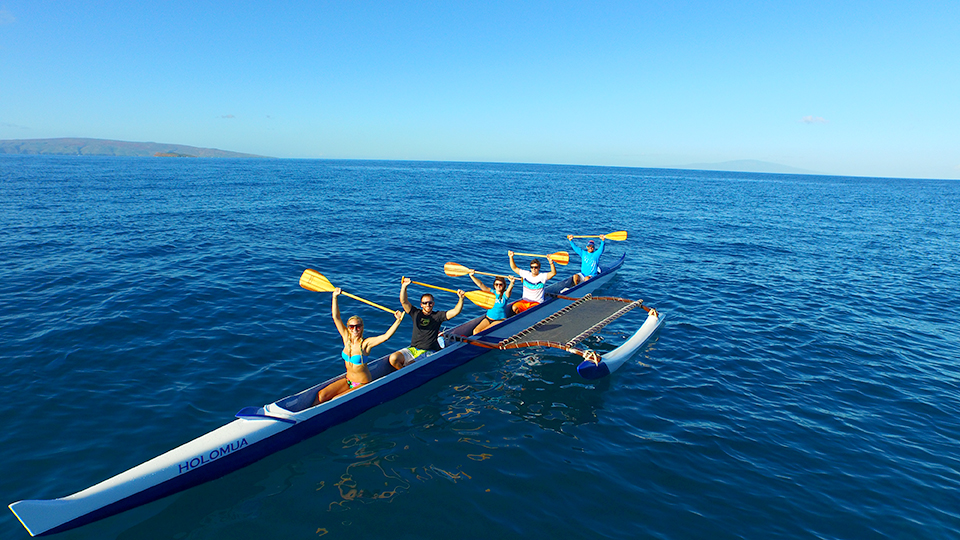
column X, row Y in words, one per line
column 513, row 265
column 553, row 269
column 404, row 282
column 513, row 280
column 335, row 311
column 573, row 246
column 479, row 283
column 456, row 309
column 374, row 341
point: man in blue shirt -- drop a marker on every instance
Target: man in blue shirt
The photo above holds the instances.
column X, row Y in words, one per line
column 589, row 259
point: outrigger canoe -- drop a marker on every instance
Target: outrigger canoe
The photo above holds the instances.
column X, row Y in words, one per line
column 260, row 431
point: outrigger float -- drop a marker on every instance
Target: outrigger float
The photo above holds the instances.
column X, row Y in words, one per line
column 568, row 316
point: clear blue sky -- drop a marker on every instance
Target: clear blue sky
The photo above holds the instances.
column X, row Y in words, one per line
column 868, row 88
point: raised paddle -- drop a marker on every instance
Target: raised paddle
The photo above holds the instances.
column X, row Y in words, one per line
column 480, row 298
column 560, row 257
column 453, row 269
column 618, row 236
column 312, row 280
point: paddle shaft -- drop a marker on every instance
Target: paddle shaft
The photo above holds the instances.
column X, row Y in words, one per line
column 365, row 301
column 432, row 286
column 456, row 270
column 560, row 257
column 480, row 298
column 486, row 274
column 317, row 282
column 618, row 236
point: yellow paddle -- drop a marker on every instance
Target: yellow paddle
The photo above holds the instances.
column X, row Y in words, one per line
column 453, row 269
column 317, row 282
column 618, row 236
column 480, row 298
column 560, row 257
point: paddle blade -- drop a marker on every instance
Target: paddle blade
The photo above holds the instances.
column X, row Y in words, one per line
column 560, row 257
column 481, row 298
column 312, row 280
column 618, row 236
column 453, row 269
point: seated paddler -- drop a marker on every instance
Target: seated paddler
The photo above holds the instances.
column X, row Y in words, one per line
column 533, row 283
column 356, row 351
column 501, row 295
column 589, row 259
column 426, row 325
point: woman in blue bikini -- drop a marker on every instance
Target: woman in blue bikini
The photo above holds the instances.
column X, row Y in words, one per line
column 355, row 352
column 501, row 295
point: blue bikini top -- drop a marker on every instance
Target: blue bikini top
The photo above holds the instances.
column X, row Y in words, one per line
column 357, row 359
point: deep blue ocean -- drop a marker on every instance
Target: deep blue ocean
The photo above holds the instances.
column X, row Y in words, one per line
column 806, row 383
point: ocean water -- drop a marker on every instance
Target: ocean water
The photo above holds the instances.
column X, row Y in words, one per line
column 805, row 385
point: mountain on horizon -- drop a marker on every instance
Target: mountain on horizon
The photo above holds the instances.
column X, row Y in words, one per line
column 102, row 147
column 748, row 165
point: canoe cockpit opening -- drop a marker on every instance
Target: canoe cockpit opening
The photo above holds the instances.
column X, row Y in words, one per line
column 304, row 400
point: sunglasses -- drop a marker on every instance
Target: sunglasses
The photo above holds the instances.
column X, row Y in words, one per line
column 354, row 326
column 426, row 303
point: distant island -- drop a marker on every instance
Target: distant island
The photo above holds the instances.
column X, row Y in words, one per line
column 101, row 147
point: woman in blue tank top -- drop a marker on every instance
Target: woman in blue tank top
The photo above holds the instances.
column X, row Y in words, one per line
column 356, row 349
column 501, row 293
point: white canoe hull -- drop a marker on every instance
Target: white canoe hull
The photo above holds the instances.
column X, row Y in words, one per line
column 612, row 360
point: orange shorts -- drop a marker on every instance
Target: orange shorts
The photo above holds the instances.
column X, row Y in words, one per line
column 523, row 305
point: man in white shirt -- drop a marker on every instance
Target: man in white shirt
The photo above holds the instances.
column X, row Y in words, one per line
column 533, row 282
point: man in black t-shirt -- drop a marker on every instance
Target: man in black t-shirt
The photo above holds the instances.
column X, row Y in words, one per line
column 426, row 325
